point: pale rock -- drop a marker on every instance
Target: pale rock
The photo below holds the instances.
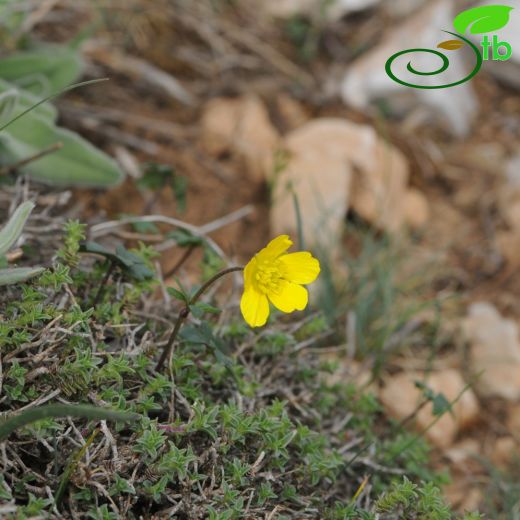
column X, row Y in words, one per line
column 509, row 195
column 495, row 352
column 513, row 420
column 463, row 451
column 240, row 126
column 512, row 212
column 333, row 10
column 401, row 398
column 288, row 8
column 366, row 81
column 291, row 112
column 462, row 496
column 318, row 174
column 339, row 8
column 322, row 157
column 416, row 209
column 513, row 172
column 508, row 243
column 379, row 187
column 401, row 8
column 504, row 452
column 348, row 370
column 472, row 500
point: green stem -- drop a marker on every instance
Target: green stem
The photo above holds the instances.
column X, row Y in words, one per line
column 13, row 422
column 185, row 312
column 102, row 286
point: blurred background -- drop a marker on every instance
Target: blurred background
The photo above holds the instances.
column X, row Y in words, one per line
column 247, row 119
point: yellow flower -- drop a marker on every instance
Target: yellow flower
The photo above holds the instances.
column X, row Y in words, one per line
column 276, row 276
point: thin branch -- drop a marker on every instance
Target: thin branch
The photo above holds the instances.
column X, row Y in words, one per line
column 5, row 170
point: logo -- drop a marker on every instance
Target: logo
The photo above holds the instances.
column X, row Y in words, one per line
column 479, row 20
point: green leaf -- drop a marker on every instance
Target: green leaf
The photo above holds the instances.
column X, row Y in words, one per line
column 27, row 100
column 95, row 249
column 156, row 176
column 18, row 274
column 185, row 239
column 180, row 190
column 483, row 19
column 440, row 405
column 77, row 163
column 178, row 294
column 14, row 227
column 8, row 101
column 128, row 261
column 439, row 402
column 200, row 308
column 134, row 264
column 9, row 425
column 199, row 335
column 43, row 71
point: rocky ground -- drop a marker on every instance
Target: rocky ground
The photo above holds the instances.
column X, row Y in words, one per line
column 257, row 113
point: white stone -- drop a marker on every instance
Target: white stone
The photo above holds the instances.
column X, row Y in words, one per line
column 401, row 398
column 333, row 9
column 334, row 164
column 242, row 127
column 495, row 352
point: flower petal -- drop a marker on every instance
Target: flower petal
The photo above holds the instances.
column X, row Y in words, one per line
column 255, row 307
column 249, row 274
column 290, row 298
column 300, row 267
column 275, row 248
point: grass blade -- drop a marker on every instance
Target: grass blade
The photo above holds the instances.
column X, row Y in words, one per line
column 62, row 91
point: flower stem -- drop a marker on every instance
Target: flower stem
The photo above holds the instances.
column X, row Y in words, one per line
column 185, row 312
column 102, row 286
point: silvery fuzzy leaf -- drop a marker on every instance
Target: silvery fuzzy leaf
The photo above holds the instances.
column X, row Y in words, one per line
column 18, row 274
column 14, row 227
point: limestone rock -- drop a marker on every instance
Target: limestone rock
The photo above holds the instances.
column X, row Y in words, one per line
column 504, row 452
column 291, row 112
column 331, row 162
column 416, row 209
column 334, row 9
column 401, row 8
column 513, row 420
column 319, row 174
column 509, row 196
column 509, row 245
column 240, row 126
column 463, row 496
column 495, row 351
column 463, row 451
column 401, row 398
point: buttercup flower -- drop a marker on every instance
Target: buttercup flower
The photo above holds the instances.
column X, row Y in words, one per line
column 275, row 276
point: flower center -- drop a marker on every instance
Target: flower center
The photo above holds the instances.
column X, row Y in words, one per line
column 268, row 276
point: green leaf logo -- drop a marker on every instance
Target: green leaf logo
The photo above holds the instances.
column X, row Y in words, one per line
column 484, row 19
